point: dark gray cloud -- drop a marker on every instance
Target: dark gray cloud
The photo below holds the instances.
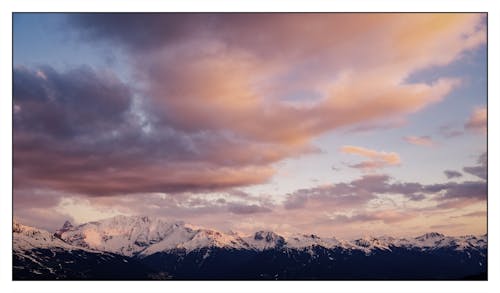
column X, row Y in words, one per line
column 236, row 208
column 452, row 174
column 416, row 196
column 355, row 193
column 360, row 191
column 139, row 31
column 467, row 190
column 77, row 102
column 480, row 170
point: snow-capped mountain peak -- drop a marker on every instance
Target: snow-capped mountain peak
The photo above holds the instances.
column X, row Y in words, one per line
column 301, row 241
column 267, row 236
column 27, row 238
column 212, row 238
column 120, row 234
column 65, row 227
column 431, row 235
column 370, row 242
column 265, row 240
column 143, row 236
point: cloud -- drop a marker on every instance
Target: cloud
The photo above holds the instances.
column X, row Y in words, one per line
column 247, row 209
column 358, row 193
column 28, row 198
column 277, row 32
column 296, row 200
column 419, row 140
column 78, row 102
column 77, row 131
column 385, row 216
column 376, row 159
column 481, row 170
column 47, row 219
column 445, row 226
column 129, row 29
column 452, row 195
column 473, row 214
column 342, row 195
column 352, row 202
column 207, row 105
column 377, row 126
column 478, row 121
column 199, row 49
column 469, row 189
column 449, row 132
column 452, row 174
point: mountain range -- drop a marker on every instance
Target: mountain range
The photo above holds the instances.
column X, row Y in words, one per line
column 142, row 248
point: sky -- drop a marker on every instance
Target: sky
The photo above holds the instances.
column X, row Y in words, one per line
column 336, row 124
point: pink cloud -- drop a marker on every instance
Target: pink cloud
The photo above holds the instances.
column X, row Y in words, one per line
column 420, row 140
column 478, row 121
column 375, row 160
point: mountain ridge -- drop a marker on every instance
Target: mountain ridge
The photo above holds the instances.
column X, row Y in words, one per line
column 142, row 235
column 143, row 248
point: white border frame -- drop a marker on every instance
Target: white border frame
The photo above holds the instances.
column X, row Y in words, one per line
column 9, row 6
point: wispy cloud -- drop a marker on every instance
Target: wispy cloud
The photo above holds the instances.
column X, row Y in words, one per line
column 420, row 140
column 473, row 214
column 376, row 159
column 452, row 174
column 449, row 131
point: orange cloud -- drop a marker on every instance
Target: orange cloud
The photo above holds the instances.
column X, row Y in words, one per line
column 419, row 140
column 376, row 159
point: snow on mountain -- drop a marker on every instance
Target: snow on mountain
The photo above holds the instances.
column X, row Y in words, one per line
column 126, row 248
column 27, row 238
column 121, row 234
column 144, row 236
column 429, row 241
column 185, row 238
column 262, row 240
column 368, row 243
column 174, row 236
column 301, row 241
column 66, row 227
column 210, row 238
column 435, row 240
